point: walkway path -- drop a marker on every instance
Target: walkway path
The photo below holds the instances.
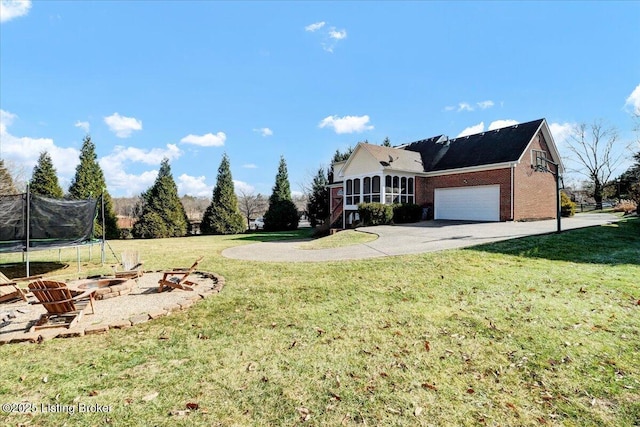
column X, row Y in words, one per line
column 422, row 237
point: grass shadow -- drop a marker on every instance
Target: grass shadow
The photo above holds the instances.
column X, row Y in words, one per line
column 36, row 268
column 273, row 236
column 612, row 244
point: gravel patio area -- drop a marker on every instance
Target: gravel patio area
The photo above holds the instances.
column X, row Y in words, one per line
column 141, row 304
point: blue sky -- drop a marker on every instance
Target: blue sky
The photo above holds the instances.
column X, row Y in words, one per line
column 257, row 80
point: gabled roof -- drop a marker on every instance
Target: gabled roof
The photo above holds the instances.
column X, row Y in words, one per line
column 492, row 147
column 392, row 158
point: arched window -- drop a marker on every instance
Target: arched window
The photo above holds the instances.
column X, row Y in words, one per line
column 349, row 195
column 375, row 191
column 366, row 191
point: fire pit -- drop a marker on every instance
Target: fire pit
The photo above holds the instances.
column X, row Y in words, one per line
column 107, row 287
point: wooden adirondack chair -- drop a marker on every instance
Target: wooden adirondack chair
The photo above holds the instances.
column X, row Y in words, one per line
column 131, row 266
column 177, row 278
column 9, row 290
column 63, row 307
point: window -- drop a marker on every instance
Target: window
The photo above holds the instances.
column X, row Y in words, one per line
column 399, row 190
column 356, row 191
column 366, row 192
column 349, row 199
column 375, row 191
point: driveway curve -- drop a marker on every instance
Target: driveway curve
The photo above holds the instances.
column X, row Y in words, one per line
column 427, row 236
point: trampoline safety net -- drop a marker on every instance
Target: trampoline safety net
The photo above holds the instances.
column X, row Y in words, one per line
column 52, row 222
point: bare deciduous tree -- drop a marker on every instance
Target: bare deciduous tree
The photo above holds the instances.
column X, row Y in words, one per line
column 251, row 205
column 593, row 148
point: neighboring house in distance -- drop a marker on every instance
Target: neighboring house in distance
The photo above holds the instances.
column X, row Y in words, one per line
column 489, row 176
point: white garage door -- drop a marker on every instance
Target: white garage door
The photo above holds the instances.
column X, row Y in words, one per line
column 479, row 203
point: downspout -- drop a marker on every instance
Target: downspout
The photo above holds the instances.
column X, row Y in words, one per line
column 513, row 190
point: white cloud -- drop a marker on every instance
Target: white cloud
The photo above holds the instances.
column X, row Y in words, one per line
column 497, row 124
column 329, row 36
column 122, row 126
column 485, row 104
column 243, row 186
column 207, row 140
column 83, row 125
column 26, row 150
column 337, row 35
column 193, row 186
column 472, row 130
column 347, row 124
column 264, row 131
column 633, row 101
column 121, row 154
column 561, row 131
column 465, row 106
column 10, row 9
column 449, row 108
column 120, row 182
column 249, row 166
column 314, row 27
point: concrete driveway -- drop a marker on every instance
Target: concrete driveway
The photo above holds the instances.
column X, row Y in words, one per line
column 422, row 237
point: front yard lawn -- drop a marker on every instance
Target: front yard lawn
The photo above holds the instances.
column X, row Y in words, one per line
column 538, row 331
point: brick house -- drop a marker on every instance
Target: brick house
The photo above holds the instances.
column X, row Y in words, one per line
column 489, row 176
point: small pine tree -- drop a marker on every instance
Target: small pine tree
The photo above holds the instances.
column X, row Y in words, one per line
column 6, row 181
column 44, row 180
column 89, row 182
column 282, row 213
column 222, row 216
column 162, row 212
column 386, row 142
column 318, row 205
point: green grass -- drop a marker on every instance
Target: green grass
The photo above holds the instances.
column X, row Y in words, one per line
column 341, row 239
column 538, row 331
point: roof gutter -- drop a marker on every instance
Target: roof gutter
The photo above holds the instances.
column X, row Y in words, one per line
column 470, row 169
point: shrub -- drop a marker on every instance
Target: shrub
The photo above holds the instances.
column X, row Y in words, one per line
column 567, row 207
column 375, row 213
column 625, row 206
column 406, row 212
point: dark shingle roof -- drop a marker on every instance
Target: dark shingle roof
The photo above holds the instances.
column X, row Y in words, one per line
column 486, row 148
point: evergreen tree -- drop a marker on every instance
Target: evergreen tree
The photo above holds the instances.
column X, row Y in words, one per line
column 6, row 181
column 386, row 142
column 318, row 205
column 222, row 215
column 162, row 212
column 89, row 182
column 44, row 180
column 282, row 213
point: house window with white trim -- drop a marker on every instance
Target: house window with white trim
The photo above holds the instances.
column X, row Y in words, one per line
column 356, row 191
column 349, row 196
column 398, row 190
column 375, row 189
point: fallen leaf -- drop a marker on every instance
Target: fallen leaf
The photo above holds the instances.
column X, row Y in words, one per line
column 320, row 331
column 150, row 397
column 93, row 393
column 305, row 414
column 179, row 413
column 192, row 406
column 293, row 344
column 417, row 411
column 45, row 379
column 429, row 386
column 251, row 367
column 427, row 346
column 335, row 396
column 470, row 390
column 582, row 290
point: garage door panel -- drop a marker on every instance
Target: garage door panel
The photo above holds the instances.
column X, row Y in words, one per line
column 478, row 203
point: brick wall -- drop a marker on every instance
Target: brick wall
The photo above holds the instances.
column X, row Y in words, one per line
column 425, row 187
column 534, row 192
